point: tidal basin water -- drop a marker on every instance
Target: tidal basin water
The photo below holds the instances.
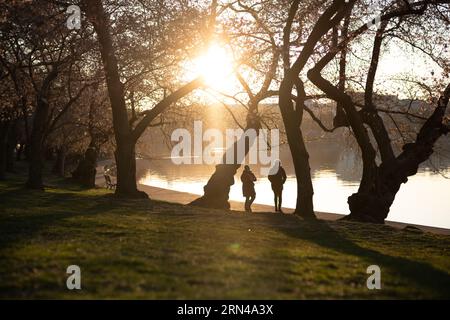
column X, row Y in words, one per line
column 424, row 200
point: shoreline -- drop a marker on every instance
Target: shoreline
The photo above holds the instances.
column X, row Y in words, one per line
column 186, row 197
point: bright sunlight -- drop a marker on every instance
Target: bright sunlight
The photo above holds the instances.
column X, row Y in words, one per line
column 216, row 65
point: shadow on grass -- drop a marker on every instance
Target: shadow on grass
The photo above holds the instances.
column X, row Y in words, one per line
column 21, row 219
column 417, row 273
column 24, row 213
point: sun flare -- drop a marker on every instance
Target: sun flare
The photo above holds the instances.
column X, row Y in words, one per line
column 216, row 66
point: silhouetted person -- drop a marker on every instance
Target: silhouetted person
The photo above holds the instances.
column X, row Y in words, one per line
column 277, row 177
column 248, row 187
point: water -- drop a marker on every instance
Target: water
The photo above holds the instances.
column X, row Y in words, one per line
column 424, row 200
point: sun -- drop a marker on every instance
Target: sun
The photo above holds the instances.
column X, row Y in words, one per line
column 216, row 66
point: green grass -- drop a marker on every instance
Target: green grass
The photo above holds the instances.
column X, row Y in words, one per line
column 157, row 250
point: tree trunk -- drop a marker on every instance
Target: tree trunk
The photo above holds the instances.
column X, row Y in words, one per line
column 27, row 150
column 48, row 153
column 86, row 170
column 59, row 166
column 304, row 206
column 11, row 146
column 20, row 151
column 126, row 171
column 5, row 127
column 292, row 119
column 36, row 142
column 125, row 136
column 217, row 189
column 38, row 132
column 35, row 168
column 125, row 143
column 373, row 203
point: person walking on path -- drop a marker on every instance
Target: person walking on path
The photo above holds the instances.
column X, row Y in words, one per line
column 248, row 187
column 277, row 177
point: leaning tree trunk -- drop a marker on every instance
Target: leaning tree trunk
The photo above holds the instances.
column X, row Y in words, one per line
column 373, row 205
column 217, row 189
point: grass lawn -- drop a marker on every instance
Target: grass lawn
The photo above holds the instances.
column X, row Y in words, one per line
column 156, row 250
